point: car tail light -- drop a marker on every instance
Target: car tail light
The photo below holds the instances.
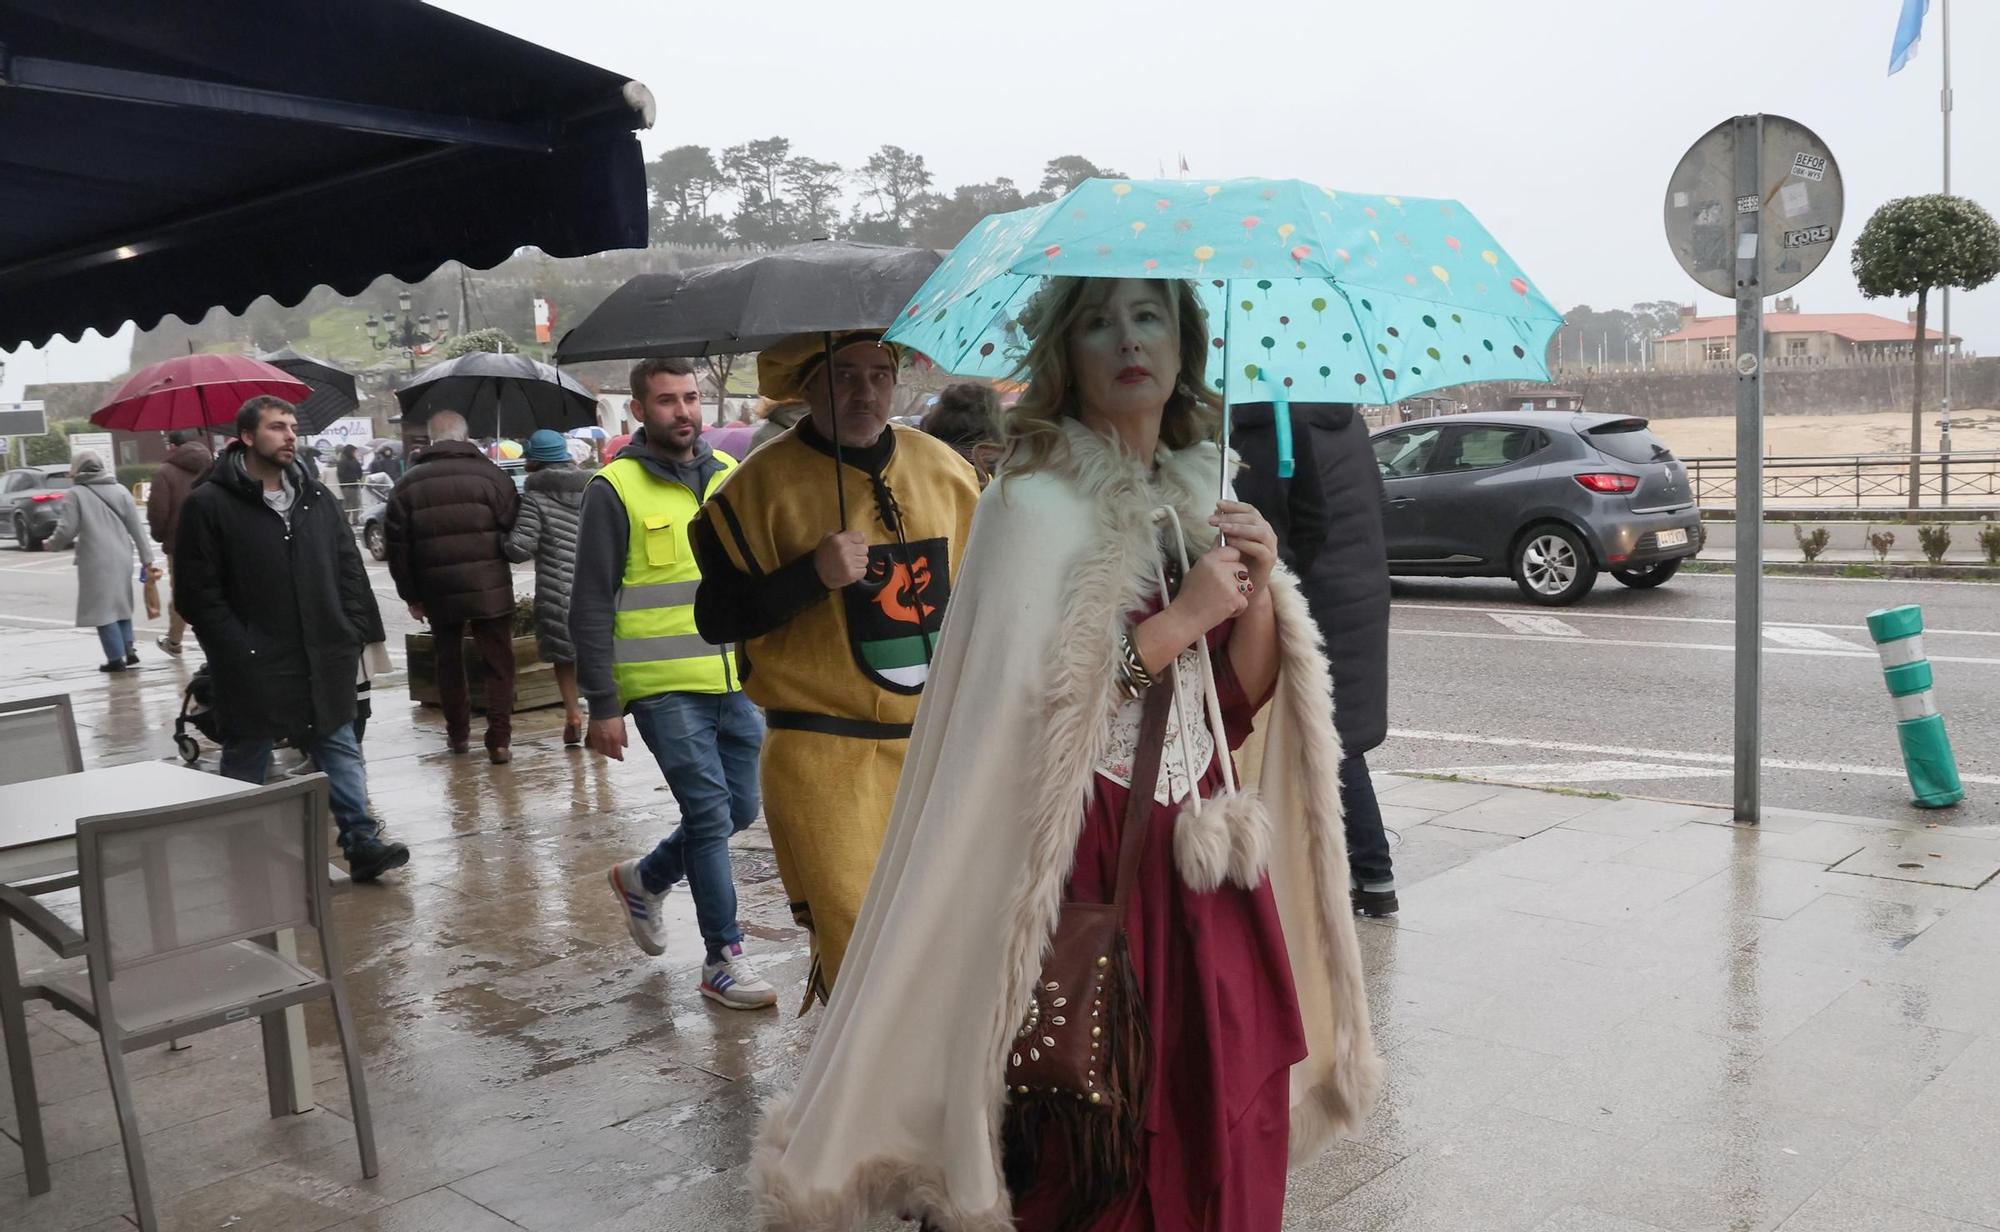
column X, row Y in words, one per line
column 43, row 498
column 1605, row 481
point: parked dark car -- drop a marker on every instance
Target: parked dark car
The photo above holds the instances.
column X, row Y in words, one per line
column 1549, row 499
column 30, row 502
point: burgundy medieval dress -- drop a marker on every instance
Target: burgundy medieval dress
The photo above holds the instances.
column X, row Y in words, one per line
column 1216, row 983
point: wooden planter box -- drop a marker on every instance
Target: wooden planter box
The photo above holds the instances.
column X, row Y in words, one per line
column 534, row 680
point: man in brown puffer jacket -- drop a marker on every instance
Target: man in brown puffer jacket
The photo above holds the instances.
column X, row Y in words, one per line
column 446, row 531
column 187, row 461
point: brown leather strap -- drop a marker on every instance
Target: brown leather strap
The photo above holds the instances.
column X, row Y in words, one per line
column 1145, row 777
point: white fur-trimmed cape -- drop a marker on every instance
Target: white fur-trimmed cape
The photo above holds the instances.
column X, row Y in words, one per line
column 898, row 1110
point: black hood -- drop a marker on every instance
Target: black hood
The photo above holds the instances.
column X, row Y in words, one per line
column 1260, row 415
column 230, row 473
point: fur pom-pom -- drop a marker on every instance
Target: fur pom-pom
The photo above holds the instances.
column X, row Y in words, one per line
column 1227, row 837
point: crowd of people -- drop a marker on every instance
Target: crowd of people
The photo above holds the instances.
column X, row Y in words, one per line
column 984, row 679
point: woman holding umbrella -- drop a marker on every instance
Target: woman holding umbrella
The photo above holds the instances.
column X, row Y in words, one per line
column 102, row 520
column 1118, row 619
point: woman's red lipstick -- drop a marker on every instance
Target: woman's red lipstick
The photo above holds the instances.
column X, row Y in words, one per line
column 1132, row 375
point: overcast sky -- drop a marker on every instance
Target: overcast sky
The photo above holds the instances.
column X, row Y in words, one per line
column 1556, row 121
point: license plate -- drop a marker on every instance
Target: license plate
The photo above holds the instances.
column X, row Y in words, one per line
column 1673, row 538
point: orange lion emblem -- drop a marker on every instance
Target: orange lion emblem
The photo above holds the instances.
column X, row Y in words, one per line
column 901, row 590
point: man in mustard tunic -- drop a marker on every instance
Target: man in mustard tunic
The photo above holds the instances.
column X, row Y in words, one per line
column 836, row 621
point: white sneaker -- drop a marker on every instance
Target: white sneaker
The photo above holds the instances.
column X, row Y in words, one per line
column 640, row 909
column 735, row 983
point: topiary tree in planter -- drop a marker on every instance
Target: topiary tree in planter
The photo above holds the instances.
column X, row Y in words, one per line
column 1913, row 244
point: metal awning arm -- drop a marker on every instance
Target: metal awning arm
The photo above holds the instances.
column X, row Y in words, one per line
column 155, row 89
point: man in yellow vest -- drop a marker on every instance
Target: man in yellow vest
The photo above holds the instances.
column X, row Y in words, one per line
column 631, row 617
column 832, row 567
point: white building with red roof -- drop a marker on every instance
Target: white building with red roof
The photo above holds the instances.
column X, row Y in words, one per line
column 1797, row 339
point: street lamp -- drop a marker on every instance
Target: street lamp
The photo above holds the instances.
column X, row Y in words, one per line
column 410, row 333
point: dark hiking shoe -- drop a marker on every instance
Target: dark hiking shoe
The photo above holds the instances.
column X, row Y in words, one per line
column 132, row 657
column 368, row 858
column 116, row 665
column 1375, row 904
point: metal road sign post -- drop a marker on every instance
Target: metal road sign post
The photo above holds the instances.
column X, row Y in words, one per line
column 1749, row 741
column 1751, row 210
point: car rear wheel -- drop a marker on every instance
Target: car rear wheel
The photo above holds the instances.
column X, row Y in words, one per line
column 1647, row 576
column 372, row 536
column 22, row 539
column 1552, row 565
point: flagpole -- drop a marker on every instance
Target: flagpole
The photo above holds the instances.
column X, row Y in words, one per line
column 1944, row 407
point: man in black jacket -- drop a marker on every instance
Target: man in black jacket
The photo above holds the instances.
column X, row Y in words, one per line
column 1328, row 516
column 268, row 575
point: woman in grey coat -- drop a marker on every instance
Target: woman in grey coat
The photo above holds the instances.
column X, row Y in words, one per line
column 102, row 520
column 545, row 532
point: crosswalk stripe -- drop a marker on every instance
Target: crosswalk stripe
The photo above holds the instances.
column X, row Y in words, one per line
column 1540, row 626
column 1807, row 639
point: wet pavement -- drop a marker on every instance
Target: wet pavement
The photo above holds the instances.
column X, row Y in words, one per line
column 1599, row 1015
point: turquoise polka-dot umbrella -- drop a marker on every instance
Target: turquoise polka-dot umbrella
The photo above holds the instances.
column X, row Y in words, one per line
column 1312, row 295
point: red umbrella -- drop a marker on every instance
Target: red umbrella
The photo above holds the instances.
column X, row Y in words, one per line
column 194, row 391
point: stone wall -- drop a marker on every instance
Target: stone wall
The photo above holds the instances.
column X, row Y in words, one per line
column 1975, row 383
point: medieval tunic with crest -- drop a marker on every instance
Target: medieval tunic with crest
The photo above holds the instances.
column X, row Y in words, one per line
column 838, row 674
column 900, row 1106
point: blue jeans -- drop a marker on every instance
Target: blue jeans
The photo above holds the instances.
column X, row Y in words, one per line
column 707, row 746
column 117, row 640
column 337, row 754
column 1368, row 860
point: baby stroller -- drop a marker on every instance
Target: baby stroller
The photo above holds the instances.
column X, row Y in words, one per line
column 197, row 712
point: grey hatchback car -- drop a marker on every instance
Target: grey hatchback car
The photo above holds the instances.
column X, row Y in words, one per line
column 1547, row 499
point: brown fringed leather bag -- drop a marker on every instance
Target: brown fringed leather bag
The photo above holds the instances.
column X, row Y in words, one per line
column 1080, row 1060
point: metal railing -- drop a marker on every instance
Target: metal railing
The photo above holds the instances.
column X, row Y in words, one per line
column 1859, row 480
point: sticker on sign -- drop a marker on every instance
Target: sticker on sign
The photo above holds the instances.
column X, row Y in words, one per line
column 1808, row 236
column 1809, row 166
column 1746, row 205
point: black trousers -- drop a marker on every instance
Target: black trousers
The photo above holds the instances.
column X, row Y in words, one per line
column 1367, row 842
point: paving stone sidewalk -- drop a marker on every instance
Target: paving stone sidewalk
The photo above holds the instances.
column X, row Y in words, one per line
column 1598, row 1015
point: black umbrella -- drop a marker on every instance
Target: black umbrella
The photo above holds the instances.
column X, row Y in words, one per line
column 625, row 325
column 333, row 393
column 827, row 286
column 499, row 395
column 824, row 287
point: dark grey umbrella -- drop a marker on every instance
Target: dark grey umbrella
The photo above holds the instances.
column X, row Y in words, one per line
column 824, row 287
column 827, row 286
column 625, row 325
column 499, row 395
column 333, row 393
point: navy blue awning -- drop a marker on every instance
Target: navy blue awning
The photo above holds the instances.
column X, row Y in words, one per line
column 168, row 158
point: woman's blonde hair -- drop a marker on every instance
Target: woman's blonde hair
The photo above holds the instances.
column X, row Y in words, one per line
column 1033, row 430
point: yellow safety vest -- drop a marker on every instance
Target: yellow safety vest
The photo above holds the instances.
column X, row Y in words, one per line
column 654, row 646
